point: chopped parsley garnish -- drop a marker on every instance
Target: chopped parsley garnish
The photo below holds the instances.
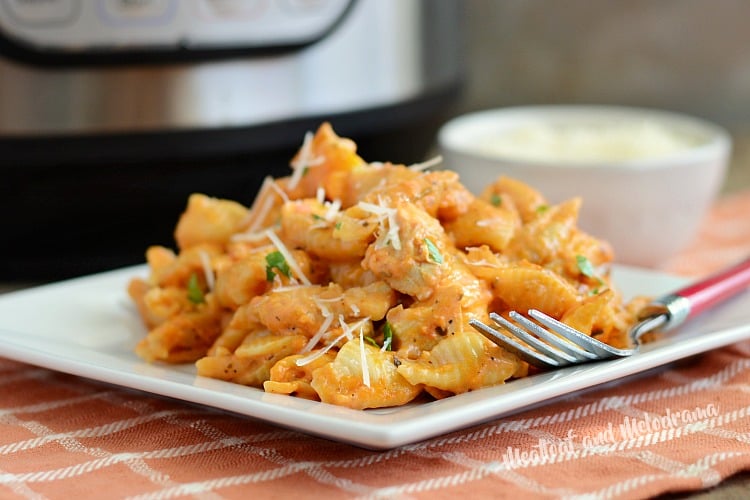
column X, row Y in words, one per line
column 275, row 260
column 371, row 340
column 317, row 217
column 387, row 337
column 338, row 226
column 542, row 208
column 585, row 266
column 194, row 291
column 434, row 252
column 587, row 269
column 496, row 200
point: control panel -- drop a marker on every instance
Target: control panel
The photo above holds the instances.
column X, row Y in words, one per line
column 70, row 27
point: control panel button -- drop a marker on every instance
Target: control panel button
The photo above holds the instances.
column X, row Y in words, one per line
column 126, row 12
column 42, row 12
column 304, row 7
column 235, row 9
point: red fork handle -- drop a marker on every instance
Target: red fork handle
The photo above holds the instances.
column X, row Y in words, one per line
column 716, row 288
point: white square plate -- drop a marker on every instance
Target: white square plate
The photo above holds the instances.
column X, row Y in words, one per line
column 88, row 327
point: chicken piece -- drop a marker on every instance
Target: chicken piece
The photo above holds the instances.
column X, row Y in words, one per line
column 408, row 254
column 423, row 324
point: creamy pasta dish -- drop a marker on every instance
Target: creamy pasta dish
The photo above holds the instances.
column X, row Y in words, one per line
column 353, row 283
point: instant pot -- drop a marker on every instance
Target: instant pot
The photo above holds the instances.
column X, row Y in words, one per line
column 113, row 111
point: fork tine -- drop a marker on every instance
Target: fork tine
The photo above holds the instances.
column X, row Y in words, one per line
column 522, row 351
column 562, row 357
column 599, row 348
column 575, row 351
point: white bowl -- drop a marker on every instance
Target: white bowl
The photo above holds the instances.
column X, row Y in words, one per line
column 648, row 205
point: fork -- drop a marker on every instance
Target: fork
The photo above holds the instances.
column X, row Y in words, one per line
column 546, row 343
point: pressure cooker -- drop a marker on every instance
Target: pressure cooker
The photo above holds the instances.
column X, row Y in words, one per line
column 113, row 111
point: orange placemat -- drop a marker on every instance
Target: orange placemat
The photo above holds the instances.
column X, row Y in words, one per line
column 723, row 238
column 682, row 429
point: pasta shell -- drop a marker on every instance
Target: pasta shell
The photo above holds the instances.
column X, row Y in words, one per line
column 347, row 382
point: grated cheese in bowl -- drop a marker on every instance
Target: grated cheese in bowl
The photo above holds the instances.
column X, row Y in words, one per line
column 602, row 142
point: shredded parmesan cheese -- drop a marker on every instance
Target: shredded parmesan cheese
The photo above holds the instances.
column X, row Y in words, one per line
column 264, row 210
column 281, row 247
column 418, row 167
column 389, row 235
column 267, row 180
column 347, row 333
column 327, row 320
column 363, row 359
column 250, row 236
column 208, row 272
column 275, row 186
column 287, row 288
column 330, row 299
column 319, row 334
column 304, row 160
column 333, row 209
column 485, row 263
column 348, row 329
column 263, row 204
column 312, row 357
